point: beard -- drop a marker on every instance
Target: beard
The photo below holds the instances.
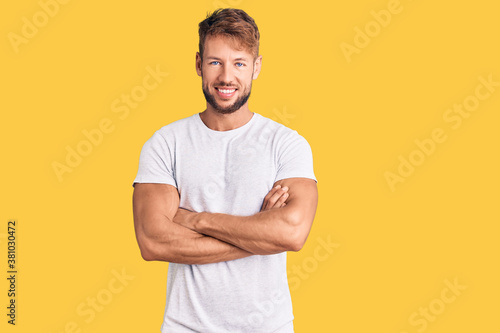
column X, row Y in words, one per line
column 242, row 99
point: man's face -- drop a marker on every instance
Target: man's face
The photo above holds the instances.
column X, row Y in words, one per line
column 227, row 74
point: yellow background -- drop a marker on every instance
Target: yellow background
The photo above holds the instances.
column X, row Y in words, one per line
column 395, row 249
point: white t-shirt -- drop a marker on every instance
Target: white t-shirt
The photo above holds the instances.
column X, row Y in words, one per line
column 226, row 172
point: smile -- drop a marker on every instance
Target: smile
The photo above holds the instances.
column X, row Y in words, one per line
column 226, row 92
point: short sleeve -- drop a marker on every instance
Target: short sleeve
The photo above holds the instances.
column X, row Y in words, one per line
column 156, row 162
column 295, row 158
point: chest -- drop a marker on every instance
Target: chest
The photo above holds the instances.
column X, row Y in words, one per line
column 230, row 176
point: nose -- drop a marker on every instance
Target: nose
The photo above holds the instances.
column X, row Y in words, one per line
column 226, row 74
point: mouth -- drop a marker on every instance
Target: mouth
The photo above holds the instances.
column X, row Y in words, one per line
column 226, row 92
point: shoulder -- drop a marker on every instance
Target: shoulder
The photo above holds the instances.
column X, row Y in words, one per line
column 168, row 134
column 280, row 130
column 282, row 134
column 177, row 127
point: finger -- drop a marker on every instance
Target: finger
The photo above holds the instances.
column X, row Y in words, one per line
column 273, row 200
column 282, row 200
column 278, row 197
column 269, row 195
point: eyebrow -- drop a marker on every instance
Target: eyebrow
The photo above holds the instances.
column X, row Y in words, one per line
column 237, row 59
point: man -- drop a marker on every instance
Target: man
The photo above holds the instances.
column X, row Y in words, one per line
column 223, row 194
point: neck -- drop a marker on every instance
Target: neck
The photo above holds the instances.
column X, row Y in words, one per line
column 225, row 122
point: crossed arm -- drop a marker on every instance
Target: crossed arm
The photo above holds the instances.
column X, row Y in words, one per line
column 166, row 232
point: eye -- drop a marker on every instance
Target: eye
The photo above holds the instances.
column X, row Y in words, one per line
column 240, row 64
column 214, row 62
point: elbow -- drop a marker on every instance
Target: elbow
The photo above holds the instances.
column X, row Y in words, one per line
column 297, row 242
column 154, row 250
column 147, row 250
column 147, row 255
column 299, row 231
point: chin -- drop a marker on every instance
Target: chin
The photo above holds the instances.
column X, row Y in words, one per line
column 227, row 110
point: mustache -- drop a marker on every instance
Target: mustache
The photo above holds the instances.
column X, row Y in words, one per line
column 223, row 84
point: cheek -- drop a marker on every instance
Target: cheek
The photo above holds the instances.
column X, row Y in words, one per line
column 209, row 75
column 244, row 77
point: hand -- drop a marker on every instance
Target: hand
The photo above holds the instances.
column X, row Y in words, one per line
column 275, row 198
column 185, row 218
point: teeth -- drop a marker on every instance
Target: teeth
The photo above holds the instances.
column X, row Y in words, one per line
column 225, row 91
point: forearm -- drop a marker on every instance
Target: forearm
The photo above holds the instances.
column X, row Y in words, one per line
column 198, row 250
column 276, row 228
column 171, row 242
column 267, row 232
column 159, row 238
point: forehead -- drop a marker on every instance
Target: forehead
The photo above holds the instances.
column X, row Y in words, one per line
column 222, row 46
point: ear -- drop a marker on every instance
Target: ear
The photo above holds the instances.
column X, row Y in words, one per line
column 198, row 63
column 257, row 66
